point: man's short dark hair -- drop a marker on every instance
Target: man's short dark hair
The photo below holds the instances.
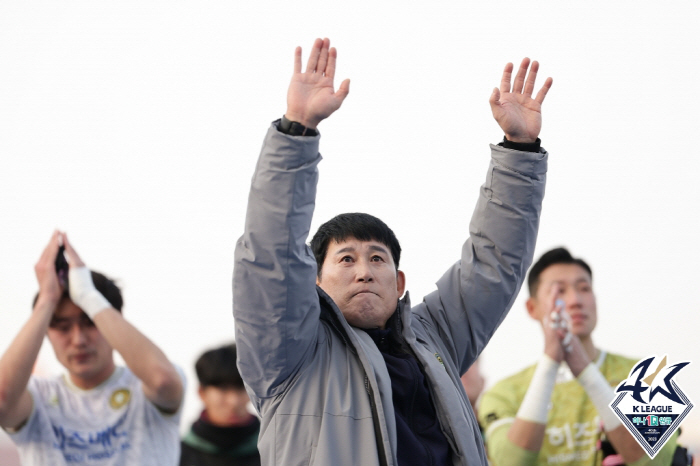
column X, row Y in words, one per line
column 217, row 368
column 363, row 227
column 104, row 285
column 555, row 256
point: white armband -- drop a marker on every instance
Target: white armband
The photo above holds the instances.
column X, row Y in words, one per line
column 601, row 394
column 83, row 292
column 535, row 405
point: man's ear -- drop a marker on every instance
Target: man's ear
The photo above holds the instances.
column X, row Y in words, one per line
column 400, row 282
column 531, row 307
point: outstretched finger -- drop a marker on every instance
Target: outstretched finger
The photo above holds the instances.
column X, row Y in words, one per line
column 531, row 77
column 520, row 77
column 330, row 67
column 545, row 88
column 297, row 60
column 74, row 259
column 313, row 57
column 323, row 57
column 505, row 79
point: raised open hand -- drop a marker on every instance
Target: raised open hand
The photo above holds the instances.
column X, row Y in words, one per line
column 311, row 97
column 518, row 114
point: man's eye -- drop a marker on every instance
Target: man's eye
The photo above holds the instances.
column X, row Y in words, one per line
column 346, row 259
column 86, row 323
column 377, row 258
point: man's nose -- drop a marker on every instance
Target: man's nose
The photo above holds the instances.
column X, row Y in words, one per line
column 572, row 298
column 77, row 335
column 364, row 271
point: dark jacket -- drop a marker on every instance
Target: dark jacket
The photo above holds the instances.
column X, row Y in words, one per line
column 208, row 445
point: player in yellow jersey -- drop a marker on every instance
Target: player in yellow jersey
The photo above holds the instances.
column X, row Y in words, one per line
column 556, row 411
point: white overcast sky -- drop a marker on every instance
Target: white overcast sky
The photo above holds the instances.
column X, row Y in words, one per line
column 135, row 127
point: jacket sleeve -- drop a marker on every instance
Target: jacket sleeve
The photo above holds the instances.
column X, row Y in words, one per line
column 275, row 304
column 474, row 295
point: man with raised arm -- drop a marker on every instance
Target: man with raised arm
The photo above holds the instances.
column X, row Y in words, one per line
column 557, row 411
column 340, row 366
column 98, row 413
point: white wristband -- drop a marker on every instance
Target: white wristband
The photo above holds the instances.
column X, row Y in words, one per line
column 535, row 405
column 601, row 394
column 83, row 292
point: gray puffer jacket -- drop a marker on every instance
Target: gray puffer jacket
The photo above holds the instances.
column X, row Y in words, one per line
column 320, row 385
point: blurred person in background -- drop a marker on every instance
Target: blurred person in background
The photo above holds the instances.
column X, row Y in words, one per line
column 226, row 433
column 473, row 382
column 556, row 411
column 97, row 413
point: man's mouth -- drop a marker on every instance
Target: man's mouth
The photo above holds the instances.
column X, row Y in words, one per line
column 365, row 292
column 81, row 358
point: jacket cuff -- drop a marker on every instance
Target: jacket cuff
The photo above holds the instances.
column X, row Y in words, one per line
column 521, row 146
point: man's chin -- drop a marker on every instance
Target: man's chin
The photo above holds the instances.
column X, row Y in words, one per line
column 366, row 318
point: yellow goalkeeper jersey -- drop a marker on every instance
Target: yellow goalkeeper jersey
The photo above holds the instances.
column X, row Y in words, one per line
column 573, row 427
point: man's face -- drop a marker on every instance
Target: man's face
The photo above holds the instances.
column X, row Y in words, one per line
column 573, row 284
column 80, row 346
column 225, row 406
column 361, row 278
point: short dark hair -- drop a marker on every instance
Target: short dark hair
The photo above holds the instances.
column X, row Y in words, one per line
column 217, row 368
column 104, row 285
column 363, row 227
column 555, row 256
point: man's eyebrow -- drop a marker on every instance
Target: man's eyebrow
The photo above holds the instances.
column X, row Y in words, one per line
column 378, row 248
column 58, row 320
column 373, row 247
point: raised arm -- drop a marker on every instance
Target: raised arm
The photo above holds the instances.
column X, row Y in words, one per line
column 18, row 361
column 276, row 308
column 161, row 382
column 475, row 294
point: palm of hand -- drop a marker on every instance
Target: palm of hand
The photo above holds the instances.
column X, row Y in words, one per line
column 520, row 117
column 311, row 98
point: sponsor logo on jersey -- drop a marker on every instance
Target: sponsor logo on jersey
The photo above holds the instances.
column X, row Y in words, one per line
column 650, row 403
column 119, row 398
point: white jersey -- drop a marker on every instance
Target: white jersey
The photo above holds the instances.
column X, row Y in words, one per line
column 113, row 424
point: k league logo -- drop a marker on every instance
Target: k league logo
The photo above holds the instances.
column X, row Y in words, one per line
column 650, row 404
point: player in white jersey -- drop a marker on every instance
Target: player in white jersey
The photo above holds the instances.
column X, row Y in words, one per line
column 98, row 413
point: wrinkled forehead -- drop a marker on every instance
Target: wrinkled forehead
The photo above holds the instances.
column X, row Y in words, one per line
column 353, row 244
